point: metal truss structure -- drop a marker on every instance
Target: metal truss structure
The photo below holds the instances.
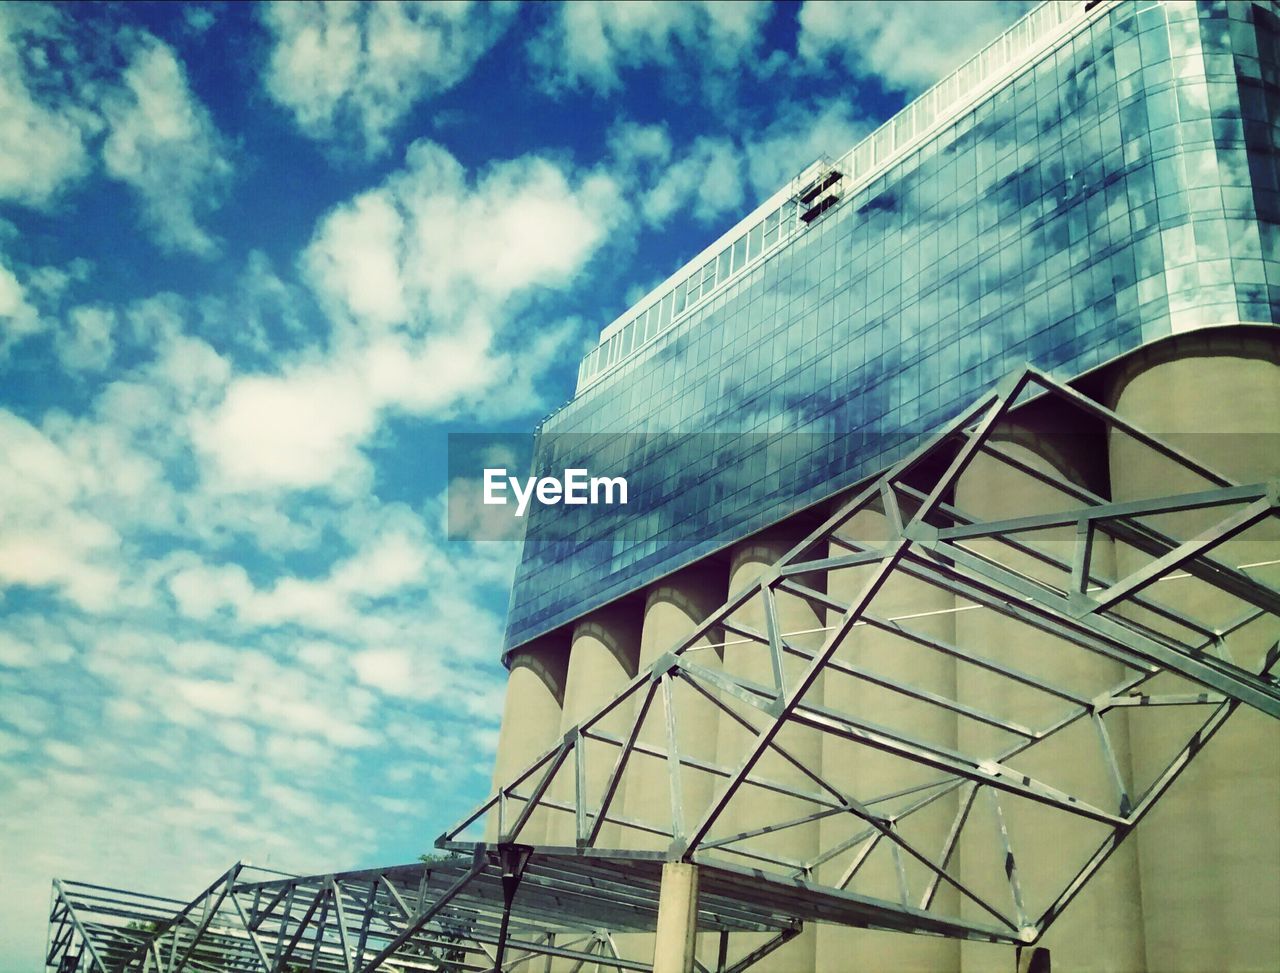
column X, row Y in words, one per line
column 978, row 712
column 454, row 914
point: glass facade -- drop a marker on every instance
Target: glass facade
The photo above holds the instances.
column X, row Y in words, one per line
column 1121, row 188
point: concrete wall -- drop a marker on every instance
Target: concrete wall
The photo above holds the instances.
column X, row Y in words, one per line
column 602, row 659
column 865, row 773
column 752, row 806
column 1102, row 929
column 531, row 719
column 1210, row 850
column 673, row 608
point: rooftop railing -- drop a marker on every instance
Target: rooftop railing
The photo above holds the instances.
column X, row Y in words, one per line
column 936, row 107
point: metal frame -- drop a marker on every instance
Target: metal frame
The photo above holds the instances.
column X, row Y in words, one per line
column 983, row 563
column 453, row 914
column 501, row 906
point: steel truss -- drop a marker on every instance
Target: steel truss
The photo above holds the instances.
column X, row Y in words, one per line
column 448, row 915
column 1041, row 574
column 955, row 847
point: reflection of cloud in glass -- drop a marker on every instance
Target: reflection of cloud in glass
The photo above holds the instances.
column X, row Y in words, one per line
column 1078, row 212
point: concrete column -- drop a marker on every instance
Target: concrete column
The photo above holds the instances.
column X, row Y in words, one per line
column 530, row 720
column 865, row 773
column 676, row 937
column 753, row 807
column 602, row 659
column 1102, row 929
column 1210, row 850
column 674, row 607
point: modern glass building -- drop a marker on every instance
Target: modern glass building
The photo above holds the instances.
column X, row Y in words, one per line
column 1094, row 194
column 1103, row 175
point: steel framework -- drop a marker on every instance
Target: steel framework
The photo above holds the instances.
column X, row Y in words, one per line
column 1069, row 625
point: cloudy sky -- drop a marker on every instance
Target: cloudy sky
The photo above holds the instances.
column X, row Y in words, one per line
column 256, row 262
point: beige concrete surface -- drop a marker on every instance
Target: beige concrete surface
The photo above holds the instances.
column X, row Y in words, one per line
column 1102, row 929
column 1210, row 850
column 603, row 655
column 531, row 716
column 865, row 773
column 677, row 919
column 674, row 607
column 752, row 806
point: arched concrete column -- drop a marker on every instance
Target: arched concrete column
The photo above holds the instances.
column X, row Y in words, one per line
column 602, row 659
column 674, row 607
column 864, row 773
column 753, row 807
column 1102, row 930
column 1210, row 850
column 531, row 716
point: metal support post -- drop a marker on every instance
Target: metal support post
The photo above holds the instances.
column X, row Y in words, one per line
column 513, row 859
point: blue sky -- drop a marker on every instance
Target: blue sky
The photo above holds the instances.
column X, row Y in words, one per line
column 256, row 262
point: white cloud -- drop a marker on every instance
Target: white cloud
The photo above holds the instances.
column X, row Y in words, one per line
column 163, row 144
column 85, row 486
column 23, row 654
column 41, row 144
column 292, row 431
column 590, row 42
column 386, row 565
column 358, row 256
column 18, row 318
column 87, row 342
column 714, row 176
column 344, row 68
column 44, row 541
column 420, row 276
column 908, row 44
column 638, row 146
column 202, row 590
column 198, row 19
column 800, row 134
column 433, row 241
column 707, row 180
column 62, row 95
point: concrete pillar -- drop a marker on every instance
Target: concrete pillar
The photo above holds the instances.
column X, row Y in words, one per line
column 530, row 721
column 602, row 659
column 1210, row 850
column 751, row 806
column 674, row 607
column 1033, row 959
column 865, row 773
column 1102, row 929
column 676, row 937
